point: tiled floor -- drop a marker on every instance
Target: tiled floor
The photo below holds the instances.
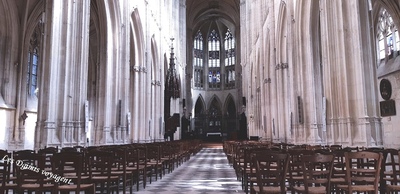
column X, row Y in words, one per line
column 206, row 172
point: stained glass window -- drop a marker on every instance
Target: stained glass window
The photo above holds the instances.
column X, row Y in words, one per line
column 229, row 49
column 388, row 38
column 213, row 49
column 33, row 62
column 198, row 60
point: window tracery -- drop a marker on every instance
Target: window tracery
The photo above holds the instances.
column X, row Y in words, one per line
column 220, row 66
column 198, row 56
column 230, row 59
column 33, row 63
column 388, row 38
column 214, row 64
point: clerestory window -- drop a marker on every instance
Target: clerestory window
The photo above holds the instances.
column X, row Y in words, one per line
column 33, row 63
column 388, row 37
column 230, row 59
column 198, row 56
column 214, row 64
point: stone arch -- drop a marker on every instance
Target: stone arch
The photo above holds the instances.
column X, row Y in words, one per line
column 137, row 59
column 214, row 114
column 9, row 41
column 310, row 90
column 394, row 11
column 103, row 55
column 217, row 102
column 200, row 108
column 96, row 42
column 35, row 25
column 199, row 115
column 156, row 104
column 230, row 117
column 391, row 6
column 229, row 101
column 281, row 51
column 9, row 76
column 154, row 59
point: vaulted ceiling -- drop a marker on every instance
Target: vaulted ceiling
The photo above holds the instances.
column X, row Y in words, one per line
column 202, row 13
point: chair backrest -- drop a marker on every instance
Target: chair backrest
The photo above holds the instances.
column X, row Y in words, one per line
column 363, row 170
column 295, row 161
column 100, row 162
column 28, row 166
column 68, row 163
column 69, row 149
column 48, row 152
column 5, row 168
column 390, row 170
column 271, row 169
column 339, row 163
column 153, row 152
column 317, row 171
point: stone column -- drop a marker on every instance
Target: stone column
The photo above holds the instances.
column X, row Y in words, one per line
column 64, row 74
column 349, row 76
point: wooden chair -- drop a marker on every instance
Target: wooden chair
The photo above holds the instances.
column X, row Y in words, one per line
column 121, row 169
column 249, row 174
column 100, row 171
column 392, row 172
column 339, row 170
column 154, row 161
column 134, row 166
column 28, row 171
column 245, row 168
column 6, row 179
column 168, row 158
column 317, row 170
column 48, row 152
column 362, row 172
column 70, row 166
column 271, row 170
column 295, row 172
column 238, row 161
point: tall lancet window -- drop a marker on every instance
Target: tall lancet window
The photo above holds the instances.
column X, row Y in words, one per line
column 388, row 37
column 229, row 49
column 214, row 70
column 33, row 61
column 230, row 59
column 198, row 56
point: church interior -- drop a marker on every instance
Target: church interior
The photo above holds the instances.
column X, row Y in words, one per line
column 169, row 79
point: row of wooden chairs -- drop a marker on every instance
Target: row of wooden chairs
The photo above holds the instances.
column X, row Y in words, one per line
column 384, row 162
column 101, row 169
column 273, row 169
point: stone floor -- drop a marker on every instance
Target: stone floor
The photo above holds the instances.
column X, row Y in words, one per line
column 206, row 172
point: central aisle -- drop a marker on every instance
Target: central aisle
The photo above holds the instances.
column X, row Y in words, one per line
column 206, row 172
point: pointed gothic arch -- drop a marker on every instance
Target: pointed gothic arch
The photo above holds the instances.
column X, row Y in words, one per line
column 229, row 106
column 9, row 42
column 104, row 16
column 281, row 76
column 137, row 59
column 200, row 108
column 309, row 127
column 96, row 41
column 214, row 115
column 199, row 116
column 156, row 90
column 30, row 74
column 216, row 102
column 230, row 124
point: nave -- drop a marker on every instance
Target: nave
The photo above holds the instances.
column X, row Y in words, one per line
column 206, row 172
